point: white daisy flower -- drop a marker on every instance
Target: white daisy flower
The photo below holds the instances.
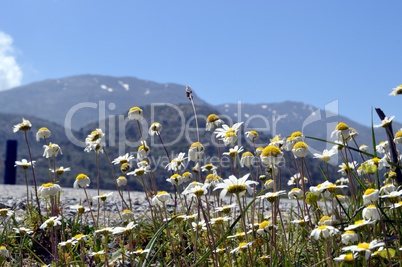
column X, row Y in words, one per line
column 235, row 186
column 155, row 128
column 51, row 150
column 177, row 163
column 123, row 159
column 135, row 113
column 228, row 134
column 160, row 198
column 25, row 125
column 42, row 133
column 49, row 189
column 326, row 155
column 51, row 222
column 213, row 121
column 364, row 247
column 24, row 163
column 323, row 231
column 385, row 122
column 195, row 151
column 396, row 90
column 82, row 180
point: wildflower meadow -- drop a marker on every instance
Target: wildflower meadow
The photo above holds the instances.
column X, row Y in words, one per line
column 214, row 214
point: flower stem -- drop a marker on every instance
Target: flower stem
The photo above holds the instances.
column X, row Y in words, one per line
column 33, row 175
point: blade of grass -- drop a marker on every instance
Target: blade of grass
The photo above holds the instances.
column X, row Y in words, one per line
column 206, row 255
column 152, row 242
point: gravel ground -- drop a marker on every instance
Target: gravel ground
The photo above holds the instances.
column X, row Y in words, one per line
column 14, row 197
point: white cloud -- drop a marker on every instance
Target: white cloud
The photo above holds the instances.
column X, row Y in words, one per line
column 10, row 71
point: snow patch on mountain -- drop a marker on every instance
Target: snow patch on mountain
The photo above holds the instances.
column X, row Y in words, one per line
column 126, row 86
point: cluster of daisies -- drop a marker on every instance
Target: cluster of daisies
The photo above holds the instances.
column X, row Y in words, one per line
column 353, row 217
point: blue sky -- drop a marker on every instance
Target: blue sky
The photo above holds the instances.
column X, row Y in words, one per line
column 253, row 51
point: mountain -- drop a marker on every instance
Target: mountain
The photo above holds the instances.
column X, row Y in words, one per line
column 78, row 100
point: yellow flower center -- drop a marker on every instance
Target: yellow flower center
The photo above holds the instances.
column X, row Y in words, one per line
column 81, row 209
column 199, row 192
column 50, row 223
column 219, row 220
column 78, row 236
column 60, row 171
column 48, row 185
column 349, row 257
column 375, row 160
column 123, row 161
column 210, row 177
column 369, row 191
column 296, row 134
column 197, row 145
column 81, row 176
column 325, row 158
column 140, row 172
column 271, row 151
column 208, row 166
column 349, row 232
column 371, row 206
column 253, row 132
column 398, row 134
column 156, row 126
column 103, row 197
column 237, row 188
column 300, row 145
column 43, row 129
column 174, row 177
column 24, row 127
column 125, row 167
column 134, row 109
column 331, row 188
column 342, row 126
column 359, row 222
column 322, row 227
column 243, row 246
column 142, row 147
column 325, row 218
column 3, row 212
column 340, row 197
column 230, row 133
column 392, row 174
column 272, row 197
column 233, row 154
column 246, row 154
column 212, row 118
column 275, row 139
column 161, row 193
column 127, row 211
column 363, row 246
column 95, row 135
column 226, row 209
column 264, row 224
